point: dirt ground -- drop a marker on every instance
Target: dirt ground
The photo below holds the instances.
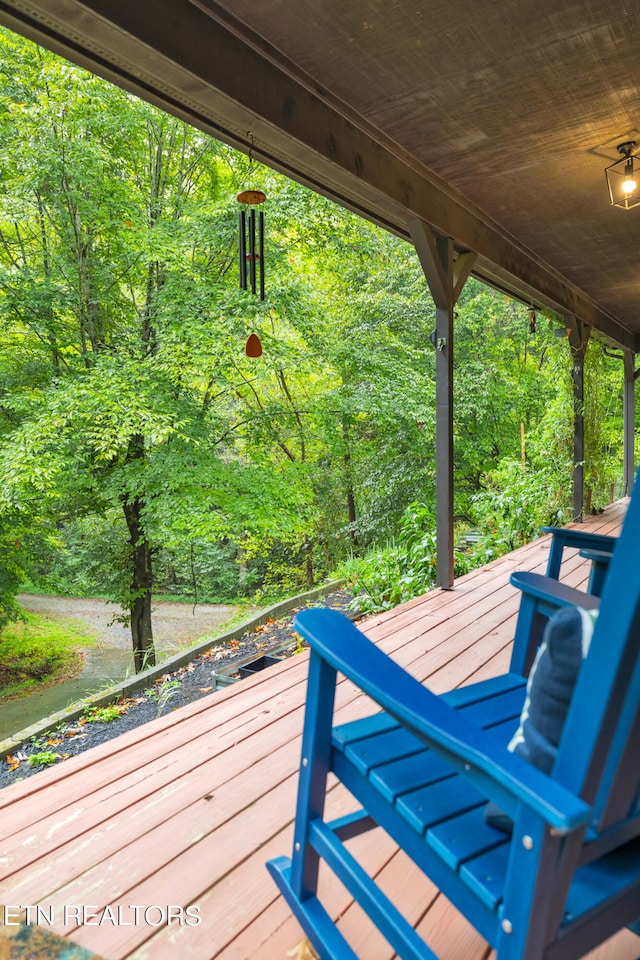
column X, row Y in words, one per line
column 174, row 624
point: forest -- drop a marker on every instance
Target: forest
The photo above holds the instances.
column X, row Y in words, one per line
column 143, row 452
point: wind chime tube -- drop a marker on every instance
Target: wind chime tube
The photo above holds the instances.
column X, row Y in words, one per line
column 252, row 249
column 242, row 249
column 261, row 241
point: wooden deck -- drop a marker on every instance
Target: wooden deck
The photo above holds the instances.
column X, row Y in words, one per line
column 186, row 810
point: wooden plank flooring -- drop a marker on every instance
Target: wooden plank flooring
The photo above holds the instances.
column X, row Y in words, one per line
column 186, row 810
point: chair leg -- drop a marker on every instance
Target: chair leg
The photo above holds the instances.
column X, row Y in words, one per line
column 314, row 769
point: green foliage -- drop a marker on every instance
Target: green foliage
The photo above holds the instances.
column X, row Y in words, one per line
column 13, row 563
column 122, row 332
column 87, row 558
column 385, row 578
column 516, row 504
column 142, row 450
column 102, row 714
column 166, row 691
column 43, row 759
column 603, row 424
column 201, row 570
column 506, row 377
column 35, row 649
column 84, row 558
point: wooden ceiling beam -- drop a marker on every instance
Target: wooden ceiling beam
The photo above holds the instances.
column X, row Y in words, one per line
column 193, row 60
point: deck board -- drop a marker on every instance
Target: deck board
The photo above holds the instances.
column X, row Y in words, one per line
column 187, row 809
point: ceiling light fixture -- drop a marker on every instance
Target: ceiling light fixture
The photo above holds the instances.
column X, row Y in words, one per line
column 623, row 178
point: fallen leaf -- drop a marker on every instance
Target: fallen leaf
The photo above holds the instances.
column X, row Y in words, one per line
column 205, row 689
column 13, row 762
column 303, row 951
column 54, row 742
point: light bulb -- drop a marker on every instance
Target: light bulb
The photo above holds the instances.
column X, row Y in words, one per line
column 628, row 185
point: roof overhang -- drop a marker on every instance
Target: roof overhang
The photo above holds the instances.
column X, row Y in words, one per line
column 196, row 60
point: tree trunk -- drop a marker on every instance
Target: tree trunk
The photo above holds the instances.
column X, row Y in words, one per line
column 351, row 515
column 140, row 589
column 141, row 581
column 351, row 500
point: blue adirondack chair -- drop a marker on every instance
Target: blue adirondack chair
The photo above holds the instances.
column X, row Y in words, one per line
column 566, row 877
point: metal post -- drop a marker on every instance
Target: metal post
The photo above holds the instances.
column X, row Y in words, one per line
column 629, row 420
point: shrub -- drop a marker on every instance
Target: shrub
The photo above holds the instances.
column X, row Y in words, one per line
column 104, row 714
column 511, row 511
column 43, row 759
column 388, row 577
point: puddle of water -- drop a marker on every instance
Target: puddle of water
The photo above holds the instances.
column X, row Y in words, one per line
column 102, row 667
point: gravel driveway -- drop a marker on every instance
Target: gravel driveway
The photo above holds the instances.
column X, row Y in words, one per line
column 175, row 625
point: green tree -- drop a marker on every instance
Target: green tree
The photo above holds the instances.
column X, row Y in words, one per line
column 121, row 323
column 360, row 365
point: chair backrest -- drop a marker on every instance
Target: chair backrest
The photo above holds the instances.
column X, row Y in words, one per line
column 599, row 753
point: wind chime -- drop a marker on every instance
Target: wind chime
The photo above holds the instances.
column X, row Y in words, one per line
column 251, row 241
column 251, row 250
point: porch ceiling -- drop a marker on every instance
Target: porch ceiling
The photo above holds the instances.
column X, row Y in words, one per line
column 492, row 120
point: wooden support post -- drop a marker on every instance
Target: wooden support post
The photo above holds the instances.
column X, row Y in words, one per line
column 629, row 420
column 578, row 339
column 444, row 446
column 445, row 278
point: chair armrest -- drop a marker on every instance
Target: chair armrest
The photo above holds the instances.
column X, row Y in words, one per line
column 598, row 556
column 600, row 560
column 570, row 537
column 503, row 776
column 541, row 597
column 550, row 595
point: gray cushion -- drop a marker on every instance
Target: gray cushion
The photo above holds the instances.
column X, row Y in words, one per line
column 549, row 690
